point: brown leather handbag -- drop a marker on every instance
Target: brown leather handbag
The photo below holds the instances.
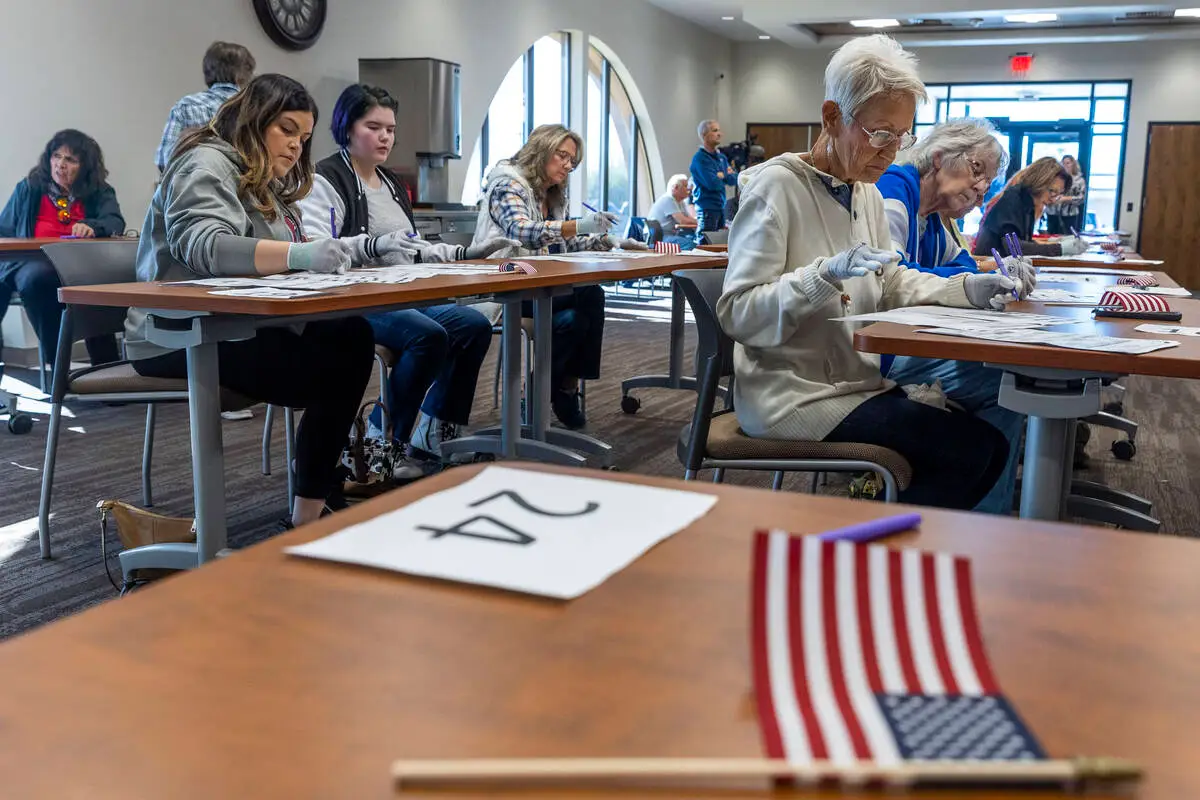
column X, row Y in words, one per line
column 137, row 527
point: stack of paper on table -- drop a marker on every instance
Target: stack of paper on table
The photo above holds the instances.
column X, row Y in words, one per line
column 551, row 535
column 1072, row 341
column 958, row 318
column 1064, row 296
column 1089, row 271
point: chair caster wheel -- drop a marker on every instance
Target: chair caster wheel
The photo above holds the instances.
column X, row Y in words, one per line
column 630, row 404
column 1116, row 408
column 1124, row 449
column 20, row 423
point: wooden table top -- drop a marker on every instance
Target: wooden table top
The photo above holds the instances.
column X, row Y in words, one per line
column 1175, row 362
column 1091, row 259
column 264, row 675
column 174, row 296
column 33, row 246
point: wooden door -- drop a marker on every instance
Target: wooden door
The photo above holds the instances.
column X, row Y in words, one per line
column 1170, row 221
column 788, row 137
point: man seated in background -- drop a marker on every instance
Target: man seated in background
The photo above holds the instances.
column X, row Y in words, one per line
column 671, row 212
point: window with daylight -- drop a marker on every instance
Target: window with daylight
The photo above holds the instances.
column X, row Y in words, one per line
column 536, row 91
column 1085, row 120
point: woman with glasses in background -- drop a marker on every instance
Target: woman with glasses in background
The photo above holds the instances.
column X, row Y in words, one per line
column 525, row 198
column 811, row 243
column 1020, row 205
column 942, row 177
column 66, row 195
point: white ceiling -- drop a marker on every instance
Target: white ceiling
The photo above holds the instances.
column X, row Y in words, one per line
column 779, row 20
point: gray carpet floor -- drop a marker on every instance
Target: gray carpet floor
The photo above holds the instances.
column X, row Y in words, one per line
column 99, row 458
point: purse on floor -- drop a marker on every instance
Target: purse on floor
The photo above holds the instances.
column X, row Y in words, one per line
column 367, row 461
column 137, row 527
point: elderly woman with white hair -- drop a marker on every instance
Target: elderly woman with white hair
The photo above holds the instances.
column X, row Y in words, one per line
column 811, row 243
column 943, row 176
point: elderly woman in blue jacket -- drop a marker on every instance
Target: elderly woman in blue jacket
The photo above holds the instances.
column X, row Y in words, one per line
column 945, row 175
column 66, row 194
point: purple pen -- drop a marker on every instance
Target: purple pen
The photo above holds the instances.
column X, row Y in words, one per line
column 332, row 222
column 875, row 529
column 1004, row 270
column 1016, row 243
column 69, row 236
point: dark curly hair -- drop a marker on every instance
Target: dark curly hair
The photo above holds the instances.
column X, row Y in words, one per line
column 92, row 175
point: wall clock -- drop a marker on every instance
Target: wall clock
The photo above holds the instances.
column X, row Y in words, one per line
column 292, row 24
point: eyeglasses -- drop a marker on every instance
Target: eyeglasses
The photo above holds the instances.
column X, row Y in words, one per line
column 567, row 158
column 979, row 174
column 881, row 138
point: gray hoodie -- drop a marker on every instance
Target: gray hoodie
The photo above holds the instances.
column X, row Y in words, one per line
column 197, row 227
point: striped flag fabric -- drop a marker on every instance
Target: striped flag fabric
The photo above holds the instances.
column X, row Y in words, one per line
column 1137, row 280
column 864, row 653
column 1128, row 301
column 667, row 248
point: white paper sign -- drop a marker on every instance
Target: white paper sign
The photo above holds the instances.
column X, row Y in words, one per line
column 532, row 532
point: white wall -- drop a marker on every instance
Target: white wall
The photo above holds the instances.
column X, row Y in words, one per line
column 776, row 83
column 114, row 68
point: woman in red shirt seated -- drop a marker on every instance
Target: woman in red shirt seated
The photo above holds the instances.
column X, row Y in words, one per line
column 66, row 194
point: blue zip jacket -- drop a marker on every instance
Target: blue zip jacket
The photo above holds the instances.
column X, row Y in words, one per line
column 709, row 192
column 926, row 252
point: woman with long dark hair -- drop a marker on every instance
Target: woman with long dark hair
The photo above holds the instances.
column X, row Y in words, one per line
column 1020, row 205
column 65, row 195
column 439, row 349
column 226, row 207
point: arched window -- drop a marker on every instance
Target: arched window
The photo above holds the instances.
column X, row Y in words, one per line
column 537, row 91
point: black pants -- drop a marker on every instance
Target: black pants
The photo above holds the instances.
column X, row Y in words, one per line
column 955, row 457
column 323, row 370
column 578, row 334
column 710, row 219
column 37, row 284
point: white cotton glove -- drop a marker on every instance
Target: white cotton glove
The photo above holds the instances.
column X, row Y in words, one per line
column 488, row 247
column 1022, row 271
column 855, row 262
column 1072, row 245
column 632, row 244
column 332, row 256
column 989, row 290
column 595, row 222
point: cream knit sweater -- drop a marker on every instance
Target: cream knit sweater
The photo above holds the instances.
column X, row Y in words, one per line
column 797, row 372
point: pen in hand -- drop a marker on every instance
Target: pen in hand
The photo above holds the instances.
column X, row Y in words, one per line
column 1004, row 271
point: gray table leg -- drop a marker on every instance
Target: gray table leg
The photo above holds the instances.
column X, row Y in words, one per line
column 537, row 397
column 208, row 455
column 1042, row 480
column 510, row 404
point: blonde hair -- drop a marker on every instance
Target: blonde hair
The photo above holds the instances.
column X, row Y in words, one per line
column 1037, row 177
column 538, row 149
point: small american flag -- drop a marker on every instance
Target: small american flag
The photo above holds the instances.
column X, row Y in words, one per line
column 669, row 248
column 1128, row 301
column 863, row 653
column 1137, row 280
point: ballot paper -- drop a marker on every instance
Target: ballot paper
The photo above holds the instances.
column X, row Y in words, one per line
column 322, row 281
column 1165, row 291
column 958, row 318
column 266, row 293
column 1064, row 296
column 1173, row 330
column 1044, row 277
column 584, row 256
column 1072, row 341
column 1088, row 271
column 533, row 532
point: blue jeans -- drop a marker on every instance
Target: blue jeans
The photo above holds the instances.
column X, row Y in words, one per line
column 439, row 352
column 710, row 219
column 976, row 388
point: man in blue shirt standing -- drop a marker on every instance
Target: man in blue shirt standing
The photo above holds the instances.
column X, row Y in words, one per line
column 711, row 173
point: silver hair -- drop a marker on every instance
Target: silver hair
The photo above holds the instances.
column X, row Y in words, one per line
column 676, row 180
column 703, row 127
column 867, row 66
column 956, row 139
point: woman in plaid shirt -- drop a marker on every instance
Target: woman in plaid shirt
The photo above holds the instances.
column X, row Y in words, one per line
column 526, row 199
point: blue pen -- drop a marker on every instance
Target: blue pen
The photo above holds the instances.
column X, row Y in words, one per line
column 1077, row 236
column 590, row 208
column 332, row 222
column 1004, row 270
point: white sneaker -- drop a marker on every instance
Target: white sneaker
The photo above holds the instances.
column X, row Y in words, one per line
column 431, row 432
column 407, row 468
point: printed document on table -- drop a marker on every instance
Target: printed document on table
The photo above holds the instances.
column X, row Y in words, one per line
column 1165, row 291
column 1044, row 277
column 1064, row 296
column 551, row 535
column 266, row 293
column 1172, row 330
column 1072, row 341
column 1088, row 271
column 958, row 318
